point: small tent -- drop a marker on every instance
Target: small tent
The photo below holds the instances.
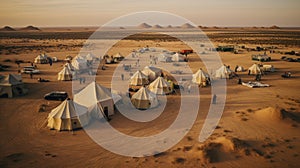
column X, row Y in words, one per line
column 178, row 57
column 90, row 57
column 11, row 85
column 160, row 86
column 79, row 63
column 200, row 77
column 65, row 74
column 144, row 99
column 68, row 116
column 254, row 70
column 138, row 79
column 41, row 59
column 268, row 68
column 152, row 72
column 69, row 66
column 223, row 72
column 96, row 94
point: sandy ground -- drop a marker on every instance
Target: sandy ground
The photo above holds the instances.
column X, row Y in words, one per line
column 254, row 130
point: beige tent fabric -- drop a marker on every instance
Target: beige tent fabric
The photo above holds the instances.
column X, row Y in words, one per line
column 93, row 94
column 139, row 79
column 223, row 72
column 41, row 59
column 12, row 85
column 178, row 57
column 268, row 68
column 79, row 63
column 255, row 69
column 200, row 77
column 69, row 66
column 68, row 116
column 152, row 72
column 160, row 86
column 65, row 74
column 144, row 99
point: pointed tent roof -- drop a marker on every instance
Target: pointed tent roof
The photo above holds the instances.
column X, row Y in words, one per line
column 255, row 69
column 65, row 71
column 67, row 110
column 152, row 72
column 160, row 86
column 223, row 72
column 142, row 94
column 69, row 66
column 10, row 79
column 90, row 57
column 144, row 99
column 138, row 75
column 177, row 57
column 200, row 76
column 92, row 94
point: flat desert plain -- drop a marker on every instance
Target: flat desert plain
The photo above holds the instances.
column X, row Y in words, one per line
column 259, row 126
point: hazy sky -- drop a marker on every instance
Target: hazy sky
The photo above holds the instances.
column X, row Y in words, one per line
column 201, row 12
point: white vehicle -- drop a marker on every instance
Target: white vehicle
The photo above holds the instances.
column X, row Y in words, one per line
column 30, row 69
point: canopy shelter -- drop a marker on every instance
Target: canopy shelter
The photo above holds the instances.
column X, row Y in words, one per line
column 65, row 74
column 96, row 94
column 11, row 85
column 160, row 86
column 255, row 69
column 68, row 116
column 223, row 72
column 139, row 79
column 177, row 57
column 41, row 59
column 201, row 78
column 152, row 72
column 144, row 99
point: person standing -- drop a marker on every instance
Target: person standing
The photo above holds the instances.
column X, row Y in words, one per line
column 122, row 76
column 214, row 100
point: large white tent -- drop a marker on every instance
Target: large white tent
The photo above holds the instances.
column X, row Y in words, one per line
column 11, row 85
column 68, row 116
column 65, row 74
column 254, row 70
column 164, row 57
column 152, row 72
column 144, row 99
column 160, row 86
column 200, row 77
column 96, row 94
column 139, row 79
column 223, row 72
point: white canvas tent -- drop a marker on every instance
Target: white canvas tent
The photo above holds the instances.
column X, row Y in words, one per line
column 68, row 116
column 138, row 79
column 254, row 69
column 223, row 72
column 160, row 86
column 65, row 74
column 152, row 72
column 90, row 57
column 95, row 94
column 200, row 77
column 79, row 63
column 69, row 66
column 268, row 68
column 240, row 69
column 41, row 59
column 178, row 57
column 144, row 99
column 11, row 85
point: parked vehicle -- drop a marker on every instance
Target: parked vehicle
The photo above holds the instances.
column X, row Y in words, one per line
column 56, row 95
column 261, row 58
column 30, row 69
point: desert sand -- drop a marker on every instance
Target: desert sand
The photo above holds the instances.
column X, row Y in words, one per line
column 259, row 126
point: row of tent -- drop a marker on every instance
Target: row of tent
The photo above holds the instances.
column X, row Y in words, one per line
column 88, row 103
column 170, row 57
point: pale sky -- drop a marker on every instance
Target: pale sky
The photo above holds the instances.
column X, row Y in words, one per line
column 201, row 12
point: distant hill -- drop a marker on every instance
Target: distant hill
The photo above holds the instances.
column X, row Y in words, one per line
column 7, row 28
column 187, row 25
column 274, row 27
column 169, row 26
column 30, row 28
column 144, row 25
column 157, row 26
